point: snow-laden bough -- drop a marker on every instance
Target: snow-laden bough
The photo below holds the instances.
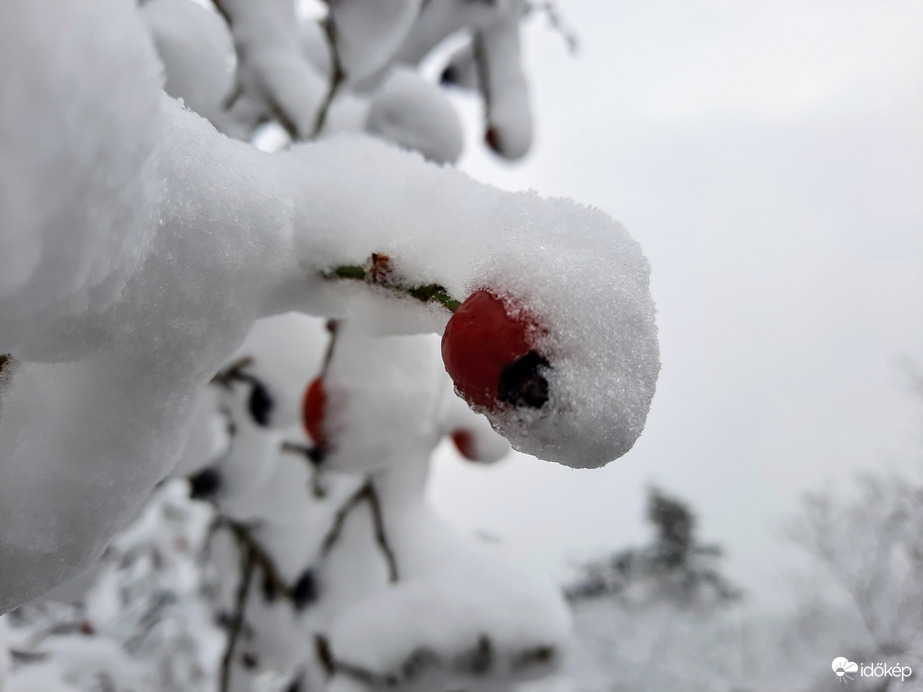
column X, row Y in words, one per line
column 139, row 245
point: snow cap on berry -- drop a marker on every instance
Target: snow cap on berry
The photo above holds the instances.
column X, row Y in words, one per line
column 571, row 270
column 595, row 344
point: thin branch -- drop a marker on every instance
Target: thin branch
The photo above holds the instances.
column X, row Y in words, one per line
column 483, row 72
column 314, row 455
column 553, row 13
column 233, row 373
column 333, row 328
column 248, row 564
column 365, row 493
column 339, row 519
column 377, row 271
column 337, row 75
column 479, row 661
column 381, row 537
column 245, row 540
column 315, row 458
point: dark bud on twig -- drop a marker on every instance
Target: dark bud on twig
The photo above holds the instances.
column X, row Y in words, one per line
column 295, row 686
column 204, row 484
column 449, row 76
column 260, row 404
column 304, row 591
column 269, row 588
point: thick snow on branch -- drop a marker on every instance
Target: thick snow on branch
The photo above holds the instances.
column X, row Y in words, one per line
column 139, row 245
column 492, row 62
column 197, row 52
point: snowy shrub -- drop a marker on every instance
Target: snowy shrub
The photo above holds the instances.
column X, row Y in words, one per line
column 143, row 236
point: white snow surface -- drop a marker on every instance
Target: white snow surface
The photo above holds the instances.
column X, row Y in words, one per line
column 273, row 72
column 493, row 29
column 415, row 114
column 369, row 31
column 197, row 51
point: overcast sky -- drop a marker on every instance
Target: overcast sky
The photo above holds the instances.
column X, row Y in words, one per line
column 769, row 158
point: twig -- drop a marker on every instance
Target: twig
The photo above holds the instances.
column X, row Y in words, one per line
column 337, row 76
column 553, row 13
column 365, row 493
column 262, row 559
column 333, row 328
column 248, row 563
column 380, row 537
column 479, row 661
column 377, row 271
column 315, row 457
column 312, row 454
column 233, row 373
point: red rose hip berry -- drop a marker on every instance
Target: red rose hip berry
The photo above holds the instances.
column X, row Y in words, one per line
column 313, row 406
column 464, row 443
column 489, row 355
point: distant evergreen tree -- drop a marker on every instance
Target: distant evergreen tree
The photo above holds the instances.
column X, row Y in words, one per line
column 675, row 567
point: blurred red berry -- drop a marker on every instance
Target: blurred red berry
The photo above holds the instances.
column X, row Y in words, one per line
column 312, row 411
column 492, row 138
column 464, row 442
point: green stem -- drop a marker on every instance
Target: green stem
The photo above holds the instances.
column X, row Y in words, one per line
column 377, row 272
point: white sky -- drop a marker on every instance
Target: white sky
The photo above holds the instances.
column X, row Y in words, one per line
column 769, row 158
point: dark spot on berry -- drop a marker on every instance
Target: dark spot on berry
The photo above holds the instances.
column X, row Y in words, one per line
column 304, row 591
column 204, row 484
column 86, row 627
column 260, row 404
column 522, row 382
column 248, row 660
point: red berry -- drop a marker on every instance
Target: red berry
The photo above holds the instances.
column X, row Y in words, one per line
column 492, row 138
column 464, row 442
column 312, row 411
column 487, row 352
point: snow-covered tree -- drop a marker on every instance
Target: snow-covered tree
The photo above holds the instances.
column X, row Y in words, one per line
column 870, row 543
column 675, row 567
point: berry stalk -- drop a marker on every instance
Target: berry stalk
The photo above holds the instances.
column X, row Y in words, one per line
column 377, row 271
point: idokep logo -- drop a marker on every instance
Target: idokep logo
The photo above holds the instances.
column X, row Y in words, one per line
column 842, row 667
